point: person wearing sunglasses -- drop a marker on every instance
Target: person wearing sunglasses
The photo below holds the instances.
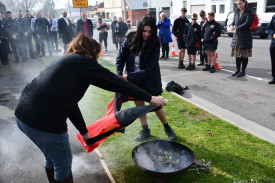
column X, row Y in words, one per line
column 192, row 41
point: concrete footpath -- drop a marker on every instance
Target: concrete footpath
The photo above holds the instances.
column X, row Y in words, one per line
column 20, row 160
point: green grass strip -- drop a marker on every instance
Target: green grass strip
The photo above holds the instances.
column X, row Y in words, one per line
column 236, row 155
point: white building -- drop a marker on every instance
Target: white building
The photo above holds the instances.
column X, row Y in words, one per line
column 113, row 8
column 264, row 8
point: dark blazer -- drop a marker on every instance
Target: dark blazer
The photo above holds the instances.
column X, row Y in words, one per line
column 148, row 76
column 65, row 30
column 180, row 27
column 80, row 29
column 243, row 29
column 271, row 31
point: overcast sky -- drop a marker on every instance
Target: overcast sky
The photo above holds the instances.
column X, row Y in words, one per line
column 59, row 4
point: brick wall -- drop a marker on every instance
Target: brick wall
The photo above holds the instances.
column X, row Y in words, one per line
column 136, row 15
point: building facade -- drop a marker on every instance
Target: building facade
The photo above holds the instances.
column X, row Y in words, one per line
column 113, row 8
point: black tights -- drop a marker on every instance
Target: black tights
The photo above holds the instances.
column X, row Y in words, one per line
column 241, row 62
column 165, row 49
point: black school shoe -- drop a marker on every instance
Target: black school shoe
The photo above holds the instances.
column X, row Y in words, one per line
column 200, row 64
column 271, row 82
column 236, row 73
column 181, row 65
column 212, row 69
column 192, row 67
column 170, row 133
column 241, row 74
column 143, row 135
column 207, row 67
column 189, row 67
column 161, row 57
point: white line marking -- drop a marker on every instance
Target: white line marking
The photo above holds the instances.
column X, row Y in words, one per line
column 179, row 74
column 105, row 166
column 230, row 117
column 260, row 79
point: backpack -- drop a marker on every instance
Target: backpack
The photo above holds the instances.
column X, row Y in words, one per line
column 175, row 87
column 254, row 23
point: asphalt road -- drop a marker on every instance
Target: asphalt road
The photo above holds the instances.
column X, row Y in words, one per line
column 250, row 97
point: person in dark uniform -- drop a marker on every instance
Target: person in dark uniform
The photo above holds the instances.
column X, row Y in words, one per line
column 43, row 26
column 271, row 32
column 3, row 42
column 113, row 25
column 210, row 32
column 65, row 30
column 139, row 59
column 34, row 29
column 53, row 32
column 23, row 35
column 85, row 25
column 203, row 54
column 28, row 17
column 179, row 30
column 12, row 27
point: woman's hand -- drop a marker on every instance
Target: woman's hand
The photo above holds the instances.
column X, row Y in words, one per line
column 85, row 137
column 232, row 28
column 124, row 77
column 273, row 36
column 202, row 40
column 158, row 101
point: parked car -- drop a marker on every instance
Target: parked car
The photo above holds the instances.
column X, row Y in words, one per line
column 108, row 22
column 260, row 31
column 174, row 17
column 94, row 21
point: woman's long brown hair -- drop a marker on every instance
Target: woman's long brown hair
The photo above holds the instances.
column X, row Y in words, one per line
column 84, row 45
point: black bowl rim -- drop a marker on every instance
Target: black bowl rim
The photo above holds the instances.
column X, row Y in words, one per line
column 162, row 174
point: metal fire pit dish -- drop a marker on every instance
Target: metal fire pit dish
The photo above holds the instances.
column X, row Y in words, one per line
column 162, row 158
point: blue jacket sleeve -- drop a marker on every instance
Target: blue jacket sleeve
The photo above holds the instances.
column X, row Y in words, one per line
column 271, row 27
column 121, row 57
column 151, row 65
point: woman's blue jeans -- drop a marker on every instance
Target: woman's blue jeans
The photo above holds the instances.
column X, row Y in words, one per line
column 55, row 147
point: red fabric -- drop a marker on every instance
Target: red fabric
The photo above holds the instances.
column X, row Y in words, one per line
column 85, row 27
column 255, row 22
column 102, row 125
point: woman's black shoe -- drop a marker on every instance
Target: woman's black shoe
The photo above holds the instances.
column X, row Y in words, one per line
column 241, row 74
column 166, row 57
column 272, row 81
column 235, row 74
column 161, row 57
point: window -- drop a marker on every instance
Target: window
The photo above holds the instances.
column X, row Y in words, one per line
column 222, row 8
column 184, row 5
column 213, row 8
column 270, row 5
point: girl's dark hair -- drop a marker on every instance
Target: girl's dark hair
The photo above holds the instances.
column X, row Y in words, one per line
column 244, row 1
column 100, row 20
column 84, row 45
column 136, row 38
column 202, row 13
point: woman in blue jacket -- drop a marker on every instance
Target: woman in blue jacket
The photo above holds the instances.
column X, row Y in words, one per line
column 271, row 32
column 164, row 34
column 140, row 53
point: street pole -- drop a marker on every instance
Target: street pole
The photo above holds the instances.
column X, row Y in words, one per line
column 69, row 8
column 125, row 11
